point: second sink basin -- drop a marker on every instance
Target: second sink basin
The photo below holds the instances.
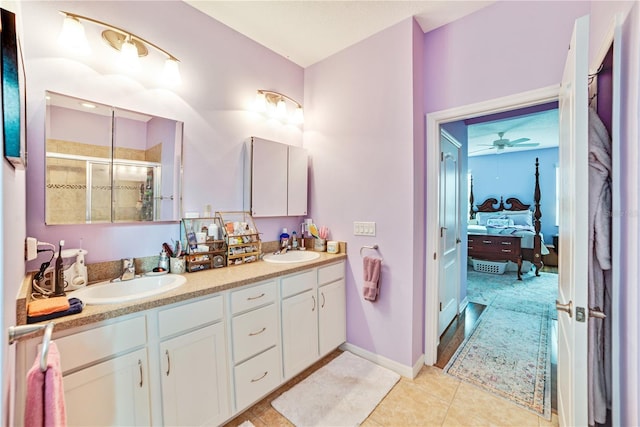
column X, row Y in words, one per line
column 291, row 257
column 128, row 290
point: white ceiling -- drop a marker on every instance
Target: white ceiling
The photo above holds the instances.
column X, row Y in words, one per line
column 540, row 127
column 308, row 31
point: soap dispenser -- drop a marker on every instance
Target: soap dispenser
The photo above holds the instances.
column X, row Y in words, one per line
column 284, row 238
column 163, row 262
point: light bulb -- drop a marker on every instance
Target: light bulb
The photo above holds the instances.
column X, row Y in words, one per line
column 171, row 72
column 281, row 109
column 260, row 104
column 298, row 116
column 72, row 36
column 129, row 55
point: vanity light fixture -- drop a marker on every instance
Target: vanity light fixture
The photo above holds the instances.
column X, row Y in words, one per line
column 274, row 104
column 130, row 46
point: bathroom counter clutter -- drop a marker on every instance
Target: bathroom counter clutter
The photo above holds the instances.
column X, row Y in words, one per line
column 198, row 284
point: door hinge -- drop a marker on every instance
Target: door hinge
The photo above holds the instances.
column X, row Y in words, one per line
column 442, row 156
column 440, row 306
column 435, row 256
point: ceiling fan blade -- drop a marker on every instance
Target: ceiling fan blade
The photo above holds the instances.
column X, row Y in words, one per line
column 533, row 144
column 518, row 141
column 483, row 149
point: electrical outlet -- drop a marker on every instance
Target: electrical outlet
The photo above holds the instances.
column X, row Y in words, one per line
column 363, row 228
column 31, row 248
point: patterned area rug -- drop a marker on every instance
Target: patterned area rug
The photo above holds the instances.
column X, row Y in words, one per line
column 341, row 393
column 509, row 352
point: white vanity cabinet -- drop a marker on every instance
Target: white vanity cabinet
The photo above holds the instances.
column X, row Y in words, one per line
column 276, row 178
column 255, row 342
column 332, row 313
column 299, row 322
column 193, row 363
column 105, row 374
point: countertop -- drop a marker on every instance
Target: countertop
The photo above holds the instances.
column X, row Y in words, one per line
column 198, row 284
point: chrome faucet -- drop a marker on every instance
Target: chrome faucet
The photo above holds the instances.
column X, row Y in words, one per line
column 128, row 269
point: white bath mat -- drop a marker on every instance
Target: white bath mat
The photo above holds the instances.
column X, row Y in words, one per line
column 342, row 393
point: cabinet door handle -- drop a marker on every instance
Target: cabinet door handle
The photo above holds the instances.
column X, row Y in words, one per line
column 166, row 352
column 258, row 297
column 323, row 300
column 253, row 334
column 314, row 303
column 254, row 380
column 141, row 375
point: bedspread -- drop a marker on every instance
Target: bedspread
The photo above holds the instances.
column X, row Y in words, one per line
column 525, row 232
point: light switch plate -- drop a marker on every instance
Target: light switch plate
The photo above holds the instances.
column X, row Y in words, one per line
column 364, row 228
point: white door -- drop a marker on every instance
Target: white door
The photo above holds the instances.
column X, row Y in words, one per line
column 573, row 244
column 449, row 230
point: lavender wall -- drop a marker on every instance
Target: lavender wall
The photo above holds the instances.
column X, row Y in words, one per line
column 512, row 175
column 221, row 71
column 360, row 132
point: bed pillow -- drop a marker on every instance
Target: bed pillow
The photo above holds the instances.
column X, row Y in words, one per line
column 500, row 222
column 482, row 217
column 520, row 217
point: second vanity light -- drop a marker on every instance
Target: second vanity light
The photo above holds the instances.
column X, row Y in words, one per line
column 274, row 104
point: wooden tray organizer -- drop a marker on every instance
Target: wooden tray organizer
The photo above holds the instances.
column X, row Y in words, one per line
column 214, row 254
column 241, row 237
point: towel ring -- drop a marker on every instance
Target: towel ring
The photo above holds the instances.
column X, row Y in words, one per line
column 373, row 247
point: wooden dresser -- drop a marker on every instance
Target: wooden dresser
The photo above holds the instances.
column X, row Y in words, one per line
column 495, row 248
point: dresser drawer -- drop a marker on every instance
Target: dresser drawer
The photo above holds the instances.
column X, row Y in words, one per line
column 253, row 296
column 496, row 247
column 254, row 332
column 256, row 377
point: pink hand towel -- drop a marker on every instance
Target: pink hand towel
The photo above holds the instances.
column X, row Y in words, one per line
column 371, row 270
column 45, row 393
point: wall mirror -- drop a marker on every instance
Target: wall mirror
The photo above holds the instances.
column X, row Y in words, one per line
column 106, row 164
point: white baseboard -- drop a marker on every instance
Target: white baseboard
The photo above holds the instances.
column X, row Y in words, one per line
column 463, row 305
column 404, row 370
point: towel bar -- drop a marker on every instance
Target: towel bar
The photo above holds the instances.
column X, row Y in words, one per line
column 16, row 332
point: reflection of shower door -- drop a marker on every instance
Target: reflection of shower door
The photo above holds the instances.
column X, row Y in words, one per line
column 98, row 192
column 135, row 191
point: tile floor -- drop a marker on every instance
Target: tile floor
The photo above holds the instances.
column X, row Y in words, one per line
column 430, row 399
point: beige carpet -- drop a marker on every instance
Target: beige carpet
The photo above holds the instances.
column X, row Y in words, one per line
column 342, row 393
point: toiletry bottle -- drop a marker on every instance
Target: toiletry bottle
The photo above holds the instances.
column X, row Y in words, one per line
column 284, row 238
column 294, row 240
column 163, row 262
column 58, row 288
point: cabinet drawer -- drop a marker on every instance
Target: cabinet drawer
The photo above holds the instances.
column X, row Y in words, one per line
column 190, row 315
column 256, row 377
column 254, row 332
column 297, row 283
column 252, row 297
column 330, row 273
column 99, row 343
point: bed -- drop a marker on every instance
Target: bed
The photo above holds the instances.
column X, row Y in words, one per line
column 507, row 230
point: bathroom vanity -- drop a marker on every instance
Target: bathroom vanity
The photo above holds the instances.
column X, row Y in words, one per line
column 201, row 354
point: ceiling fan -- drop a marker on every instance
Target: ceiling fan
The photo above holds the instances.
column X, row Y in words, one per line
column 501, row 143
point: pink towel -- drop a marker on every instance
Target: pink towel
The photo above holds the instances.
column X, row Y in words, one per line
column 45, row 393
column 371, row 270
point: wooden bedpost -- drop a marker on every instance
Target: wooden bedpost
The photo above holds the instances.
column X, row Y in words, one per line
column 472, row 214
column 537, row 214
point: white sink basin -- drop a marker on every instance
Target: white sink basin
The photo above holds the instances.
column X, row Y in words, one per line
column 128, row 290
column 291, row 257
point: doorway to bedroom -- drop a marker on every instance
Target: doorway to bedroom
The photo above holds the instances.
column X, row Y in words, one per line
column 506, row 158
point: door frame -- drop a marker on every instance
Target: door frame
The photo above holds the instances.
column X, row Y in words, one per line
column 432, row 261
